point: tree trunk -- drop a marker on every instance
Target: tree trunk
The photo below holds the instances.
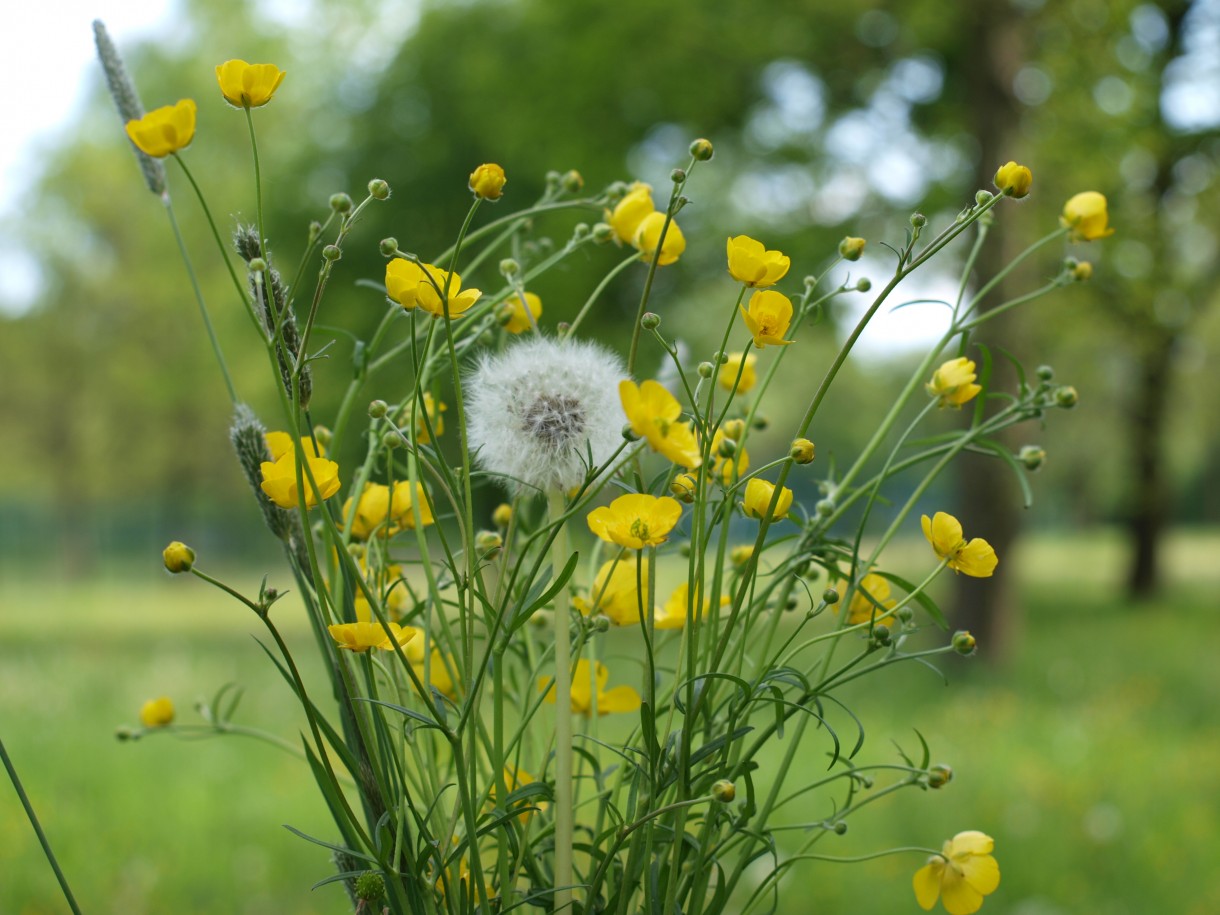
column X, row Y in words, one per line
column 1149, row 496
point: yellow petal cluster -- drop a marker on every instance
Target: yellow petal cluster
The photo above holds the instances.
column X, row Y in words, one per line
column 1086, row 215
column 164, row 130
column 673, row 614
column 438, row 668
column 758, row 499
column 280, row 474
column 732, row 366
column 363, row 635
column 768, row 317
column 728, row 468
column 157, row 713
column 248, row 85
column 487, row 181
column 616, row 591
column 178, row 557
column 636, row 221
column 630, row 211
column 751, row 263
column 519, row 322
column 382, row 513
column 653, row 413
column 960, row 876
column 954, row 383
column 636, row 520
column 872, row 587
column 589, row 681
column 1014, row 180
column 424, row 286
column 975, row 558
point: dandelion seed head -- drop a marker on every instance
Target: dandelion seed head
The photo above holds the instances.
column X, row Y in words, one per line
column 541, row 410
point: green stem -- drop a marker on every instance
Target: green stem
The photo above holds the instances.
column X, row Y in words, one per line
column 563, row 715
column 42, row 836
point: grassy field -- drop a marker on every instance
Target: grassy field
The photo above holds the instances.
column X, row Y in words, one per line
column 1093, row 756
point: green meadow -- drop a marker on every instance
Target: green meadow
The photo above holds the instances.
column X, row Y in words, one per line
column 1092, row 755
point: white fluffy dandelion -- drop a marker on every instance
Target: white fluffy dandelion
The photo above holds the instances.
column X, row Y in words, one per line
column 538, row 412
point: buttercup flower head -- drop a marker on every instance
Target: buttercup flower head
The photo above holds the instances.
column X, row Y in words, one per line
column 961, row 876
column 648, row 233
column 157, row 713
column 653, row 413
column 248, row 85
column 975, row 558
column 178, row 557
column 1086, row 215
column 751, row 263
column 636, row 520
column 629, row 212
column 424, row 286
column 584, row 683
column 954, row 383
column 164, row 130
column 378, row 512
column 872, row 587
column 545, row 412
column 727, row 373
column 519, row 322
column 616, row 591
column 487, row 181
column 758, row 498
column 768, row 317
column 673, row 614
column 280, row 480
column 1014, row 180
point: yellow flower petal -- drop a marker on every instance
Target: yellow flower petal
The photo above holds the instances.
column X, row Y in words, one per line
column 927, row 883
column 164, row 130
column 619, row 699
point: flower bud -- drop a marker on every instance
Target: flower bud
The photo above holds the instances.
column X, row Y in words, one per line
column 881, row 634
column 379, row 189
column 650, row 321
column 801, row 451
column 724, row 791
column 157, row 713
column 963, row 642
column 341, row 203
column 825, row 508
column 864, row 284
column 830, row 596
column 323, row 436
column 678, row 175
column 488, row 543
column 918, row 220
column 123, row 734
column 1045, row 373
column 370, row 887
column 332, row 252
column 601, row 623
column 734, row 429
column 257, row 265
column 982, row 197
column 581, row 231
column 684, row 487
column 1082, row 272
column 939, row 776
column 761, row 422
column 378, row 409
column 629, row 433
column 502, row 516
column 572, row 181
column 840, row 828
column 1013, row 180
column 509, row 267
column 487, row 181
column 740, row 555
column 315, row 229
column 728, row 447
column 906, row 614
column 602, row 233
column 391, row 440
column 684, row 549
column 850, row 248
column 178, row 557
column 706, row 369
column 1032, row 456
column 701, row 150
column 1066, row 397
column 389, row 246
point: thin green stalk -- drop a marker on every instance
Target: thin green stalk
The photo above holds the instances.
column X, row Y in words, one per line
column 42, row 836
column 258, row 185
column 562, row 899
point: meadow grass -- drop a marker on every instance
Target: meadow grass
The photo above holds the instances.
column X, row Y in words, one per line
column 1092, row 756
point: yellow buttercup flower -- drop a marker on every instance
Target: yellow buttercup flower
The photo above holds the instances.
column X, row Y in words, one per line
column 248, row 85
column 438, row 671
column 520, row 322
column 280, row 443
column 157, row 713
column 1014, row 180
column 630, row 212
column 653, row 413
column 673, row 614
column 636, row 520
column 178, row 557
column 862, row 609
column 975, row 558
column 758, row 498
column 1086, row 215
column 616, row 591
column 768, row 317
column 379, row 512
column 584, row 680
column 751, row 263
column 280, row 480
column 502, row 516
column 487, row 181
column 648, row 233
column 360, row 637
column 954, row 383
column 728, row 467
column 740, row 555
column 684, row 487
column 728, row 372
column 164, row 130
column 961, row 876
column 413, row 285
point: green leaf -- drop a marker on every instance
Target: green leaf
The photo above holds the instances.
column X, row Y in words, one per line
column 339, row 848
column 922, row 598
column 1006, row 456
column 537, row 597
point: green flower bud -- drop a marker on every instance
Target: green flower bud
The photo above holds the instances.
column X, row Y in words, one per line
column 840, row 828
column 178, row 557
column 488, row 543
column 322, row 435
column 830, row 596
column 379, row 189
column 724, row 791
column 332, row 252
column 509, row 267
column 963, row 642
column 1066, row 397
column 918, row 220
column 378, row 409
column 581, row 232
column 825, row 508
column 389, row 246
column 678, row 175
column 701, row 150
column 650, row 321
column 341, row 203
column 602, row 233
column 728, row 447
column 706, row 369
column 1032, row 456
column 850, row 248
column 982, row 197
column 257, row 265
column 601, row 623
column 370, row 887
column 572, row 181
column 629, row 433
column 881, row 634
column 939, row 776
column 864, row 284
column 801, row 451
column 391, row 440
column 1045, row 373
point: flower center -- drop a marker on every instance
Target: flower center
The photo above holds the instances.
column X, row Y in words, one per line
column 639, row 529
column 554, row 419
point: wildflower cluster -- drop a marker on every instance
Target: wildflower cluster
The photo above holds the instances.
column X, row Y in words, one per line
column 564, row 701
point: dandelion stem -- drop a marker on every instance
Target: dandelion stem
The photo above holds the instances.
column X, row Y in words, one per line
column 42, row 837
column 563, row 715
